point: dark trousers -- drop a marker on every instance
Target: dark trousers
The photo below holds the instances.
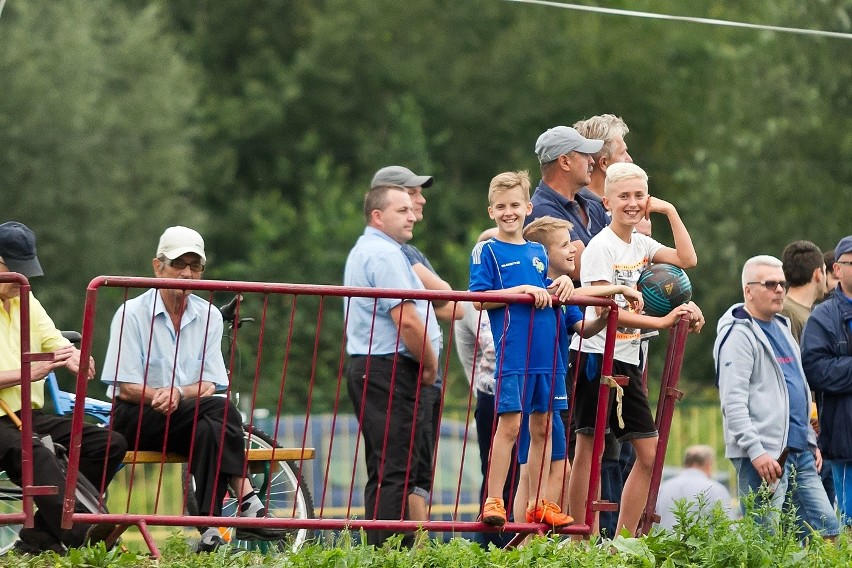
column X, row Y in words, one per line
column 384, row 403
column 100, row 457
column 428, row 423
column 828, row 481
column 211, row 477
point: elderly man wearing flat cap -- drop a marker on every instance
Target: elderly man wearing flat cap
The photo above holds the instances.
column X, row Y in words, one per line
column 430, row 396
column 566, row 163
column 100, row 454
column 827, row 360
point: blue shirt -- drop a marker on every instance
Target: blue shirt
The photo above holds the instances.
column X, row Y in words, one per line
column 797, row 436
column 567, row 316
column 414, row 256
column 496, row 265
column 849, row 300
column 376, row 261
column 150, row 351
column 546, row 201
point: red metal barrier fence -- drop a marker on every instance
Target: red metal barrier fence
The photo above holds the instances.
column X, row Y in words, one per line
column 292, row 313
column 27, row 490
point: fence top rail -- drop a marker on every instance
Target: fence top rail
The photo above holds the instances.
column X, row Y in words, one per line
column 326, row 290
column 14, row 277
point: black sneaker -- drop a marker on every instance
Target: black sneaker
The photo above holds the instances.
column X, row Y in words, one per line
column 260, row 533
column 37, row 545
column 210, row 541
column 100, row 533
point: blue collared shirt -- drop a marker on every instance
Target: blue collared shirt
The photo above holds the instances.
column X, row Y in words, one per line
column 414, row 256
column 546, row 201
column 377, row 261
column 151, row 353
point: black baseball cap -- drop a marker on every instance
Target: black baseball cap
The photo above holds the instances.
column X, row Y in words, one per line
column 18, row 249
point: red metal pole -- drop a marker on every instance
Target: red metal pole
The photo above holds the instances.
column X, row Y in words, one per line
column 669, row 395
column 601, row 420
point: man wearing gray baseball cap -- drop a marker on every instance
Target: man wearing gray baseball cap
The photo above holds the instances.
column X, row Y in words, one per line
column 399, row 175
column 429, row 409
column 566, row 163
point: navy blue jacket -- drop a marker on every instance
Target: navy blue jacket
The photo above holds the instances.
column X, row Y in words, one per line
column 546, row 201
column 827, row 360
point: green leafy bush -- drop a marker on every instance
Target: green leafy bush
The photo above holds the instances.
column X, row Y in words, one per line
column 703, row 537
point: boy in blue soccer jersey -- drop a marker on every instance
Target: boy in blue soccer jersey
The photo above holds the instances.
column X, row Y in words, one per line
column 525, row 342
column 555, row 235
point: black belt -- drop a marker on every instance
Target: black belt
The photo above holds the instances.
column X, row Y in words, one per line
column 399, row 357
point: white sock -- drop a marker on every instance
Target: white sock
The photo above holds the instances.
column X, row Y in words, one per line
column 252, row 506
column 211, row 536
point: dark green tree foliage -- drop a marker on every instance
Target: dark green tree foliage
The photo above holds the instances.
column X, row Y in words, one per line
column 261, row 123
column 97, row 140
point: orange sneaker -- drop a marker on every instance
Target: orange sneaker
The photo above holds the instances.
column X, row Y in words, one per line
column 494, row 512
column 550, row 514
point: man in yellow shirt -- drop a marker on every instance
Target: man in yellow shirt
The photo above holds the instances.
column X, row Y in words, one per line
column 101, row 456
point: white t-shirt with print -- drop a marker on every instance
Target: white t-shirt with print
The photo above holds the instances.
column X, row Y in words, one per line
column 610, row 259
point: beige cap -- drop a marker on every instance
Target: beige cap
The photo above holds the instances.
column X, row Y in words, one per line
column 177, row 241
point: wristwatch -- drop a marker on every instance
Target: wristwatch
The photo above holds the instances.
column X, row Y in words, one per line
column 180, row 392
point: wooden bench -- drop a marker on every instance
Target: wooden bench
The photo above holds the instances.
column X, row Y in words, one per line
column 255, row 456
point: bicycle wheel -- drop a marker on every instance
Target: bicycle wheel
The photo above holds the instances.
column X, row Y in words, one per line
column 286, row 489
column 10, row 502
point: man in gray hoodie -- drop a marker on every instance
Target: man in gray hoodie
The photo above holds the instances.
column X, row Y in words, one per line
column 766, row 401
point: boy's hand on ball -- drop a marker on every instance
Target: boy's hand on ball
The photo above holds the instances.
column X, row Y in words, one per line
column 674, row 316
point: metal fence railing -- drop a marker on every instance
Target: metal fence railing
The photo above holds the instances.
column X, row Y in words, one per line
column 323, row 450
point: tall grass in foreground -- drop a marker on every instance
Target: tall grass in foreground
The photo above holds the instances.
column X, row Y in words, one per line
column 703, row 538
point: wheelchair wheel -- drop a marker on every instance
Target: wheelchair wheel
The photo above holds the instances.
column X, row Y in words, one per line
column 282, row 483
column 10, row 503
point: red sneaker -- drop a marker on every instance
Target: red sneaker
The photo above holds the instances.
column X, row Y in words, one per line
column 550, row 514
column 494, row 512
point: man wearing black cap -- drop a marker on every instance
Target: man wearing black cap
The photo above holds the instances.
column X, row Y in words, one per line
column 101, row 455
column 827, row 360
column 566, row 167
column 429, row 410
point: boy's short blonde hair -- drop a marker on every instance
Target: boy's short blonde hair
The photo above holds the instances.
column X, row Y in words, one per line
column 542, row 229
column 509, row 180
column 623, row 171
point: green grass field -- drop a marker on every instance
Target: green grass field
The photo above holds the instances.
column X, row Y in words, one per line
column 702, row 539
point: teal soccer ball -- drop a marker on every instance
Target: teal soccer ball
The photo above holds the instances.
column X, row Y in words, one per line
column 664, row 287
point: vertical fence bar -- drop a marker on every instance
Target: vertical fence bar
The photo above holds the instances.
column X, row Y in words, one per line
column 669, row 395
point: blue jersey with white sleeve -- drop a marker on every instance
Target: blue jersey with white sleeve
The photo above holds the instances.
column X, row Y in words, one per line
column 522, row 346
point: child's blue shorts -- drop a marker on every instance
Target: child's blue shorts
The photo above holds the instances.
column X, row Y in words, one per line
column 541, row 392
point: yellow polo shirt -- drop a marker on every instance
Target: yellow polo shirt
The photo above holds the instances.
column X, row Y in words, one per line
column 44, row 337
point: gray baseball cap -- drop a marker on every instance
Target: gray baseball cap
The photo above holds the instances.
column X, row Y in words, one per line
column 398, row 175
column 561, row 140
